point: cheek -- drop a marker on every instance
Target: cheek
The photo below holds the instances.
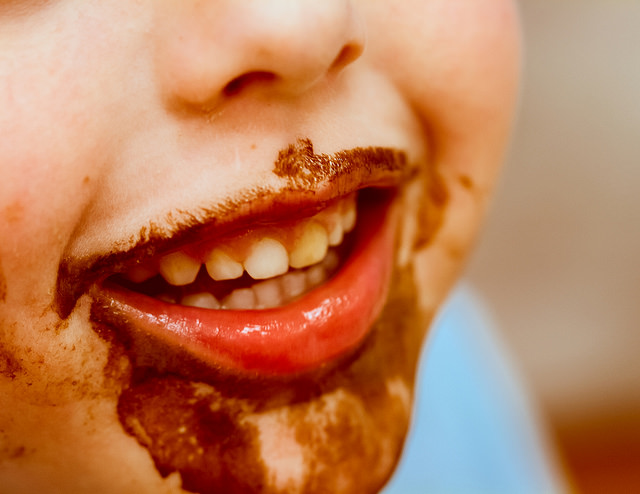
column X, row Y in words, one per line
column 34, row 232
column 456, row 62
column 58, row 128
column 48, row 362
column 51, row 156
column 49, row 169
column 47, row 181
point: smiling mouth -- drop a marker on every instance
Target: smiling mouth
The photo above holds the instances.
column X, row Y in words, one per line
column 261, row 268
column 288, row 291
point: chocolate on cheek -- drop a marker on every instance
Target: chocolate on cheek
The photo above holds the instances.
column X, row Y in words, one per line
column 46, row 368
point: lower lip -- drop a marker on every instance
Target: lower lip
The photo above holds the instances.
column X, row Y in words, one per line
column 305, row 335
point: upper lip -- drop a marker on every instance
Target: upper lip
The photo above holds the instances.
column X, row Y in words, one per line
column 341, row 174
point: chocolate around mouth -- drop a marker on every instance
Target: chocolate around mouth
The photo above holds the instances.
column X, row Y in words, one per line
column 156, row 405
column 313, row 181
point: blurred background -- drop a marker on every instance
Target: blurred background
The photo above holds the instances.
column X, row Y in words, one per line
column 558, row 263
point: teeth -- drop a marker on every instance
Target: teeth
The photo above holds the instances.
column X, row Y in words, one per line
column 267, row 258
column 221, row 266
column 336, row 234
column 202, row 300
column 316, row 275
column 311, row 247
column 349, row 216
column 268, row 294
column 241, row 299
column 294, row 283
column 179, row 269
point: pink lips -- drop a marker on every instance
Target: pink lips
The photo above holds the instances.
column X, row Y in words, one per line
column 313, row 331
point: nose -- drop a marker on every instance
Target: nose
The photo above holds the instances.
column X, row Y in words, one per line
column 211, row 50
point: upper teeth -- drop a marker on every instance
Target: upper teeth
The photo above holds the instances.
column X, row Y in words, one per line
column 263, row 253
column 179, row 269
column 267, row 258
column 221, row 266
column 311, row 247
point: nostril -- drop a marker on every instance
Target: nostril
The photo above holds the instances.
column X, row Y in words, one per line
column 249, row 79
column 348, row 54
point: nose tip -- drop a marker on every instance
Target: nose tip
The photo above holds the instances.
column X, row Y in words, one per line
column 217, row 50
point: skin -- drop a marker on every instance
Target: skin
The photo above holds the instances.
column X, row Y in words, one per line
column 118, row 113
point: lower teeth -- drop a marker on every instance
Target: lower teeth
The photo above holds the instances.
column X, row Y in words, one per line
column 281, row 290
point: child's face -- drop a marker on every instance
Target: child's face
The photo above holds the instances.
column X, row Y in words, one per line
column 131, row 130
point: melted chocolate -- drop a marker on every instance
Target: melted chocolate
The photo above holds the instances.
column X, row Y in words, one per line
column 303, row 168
column 194, row 431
